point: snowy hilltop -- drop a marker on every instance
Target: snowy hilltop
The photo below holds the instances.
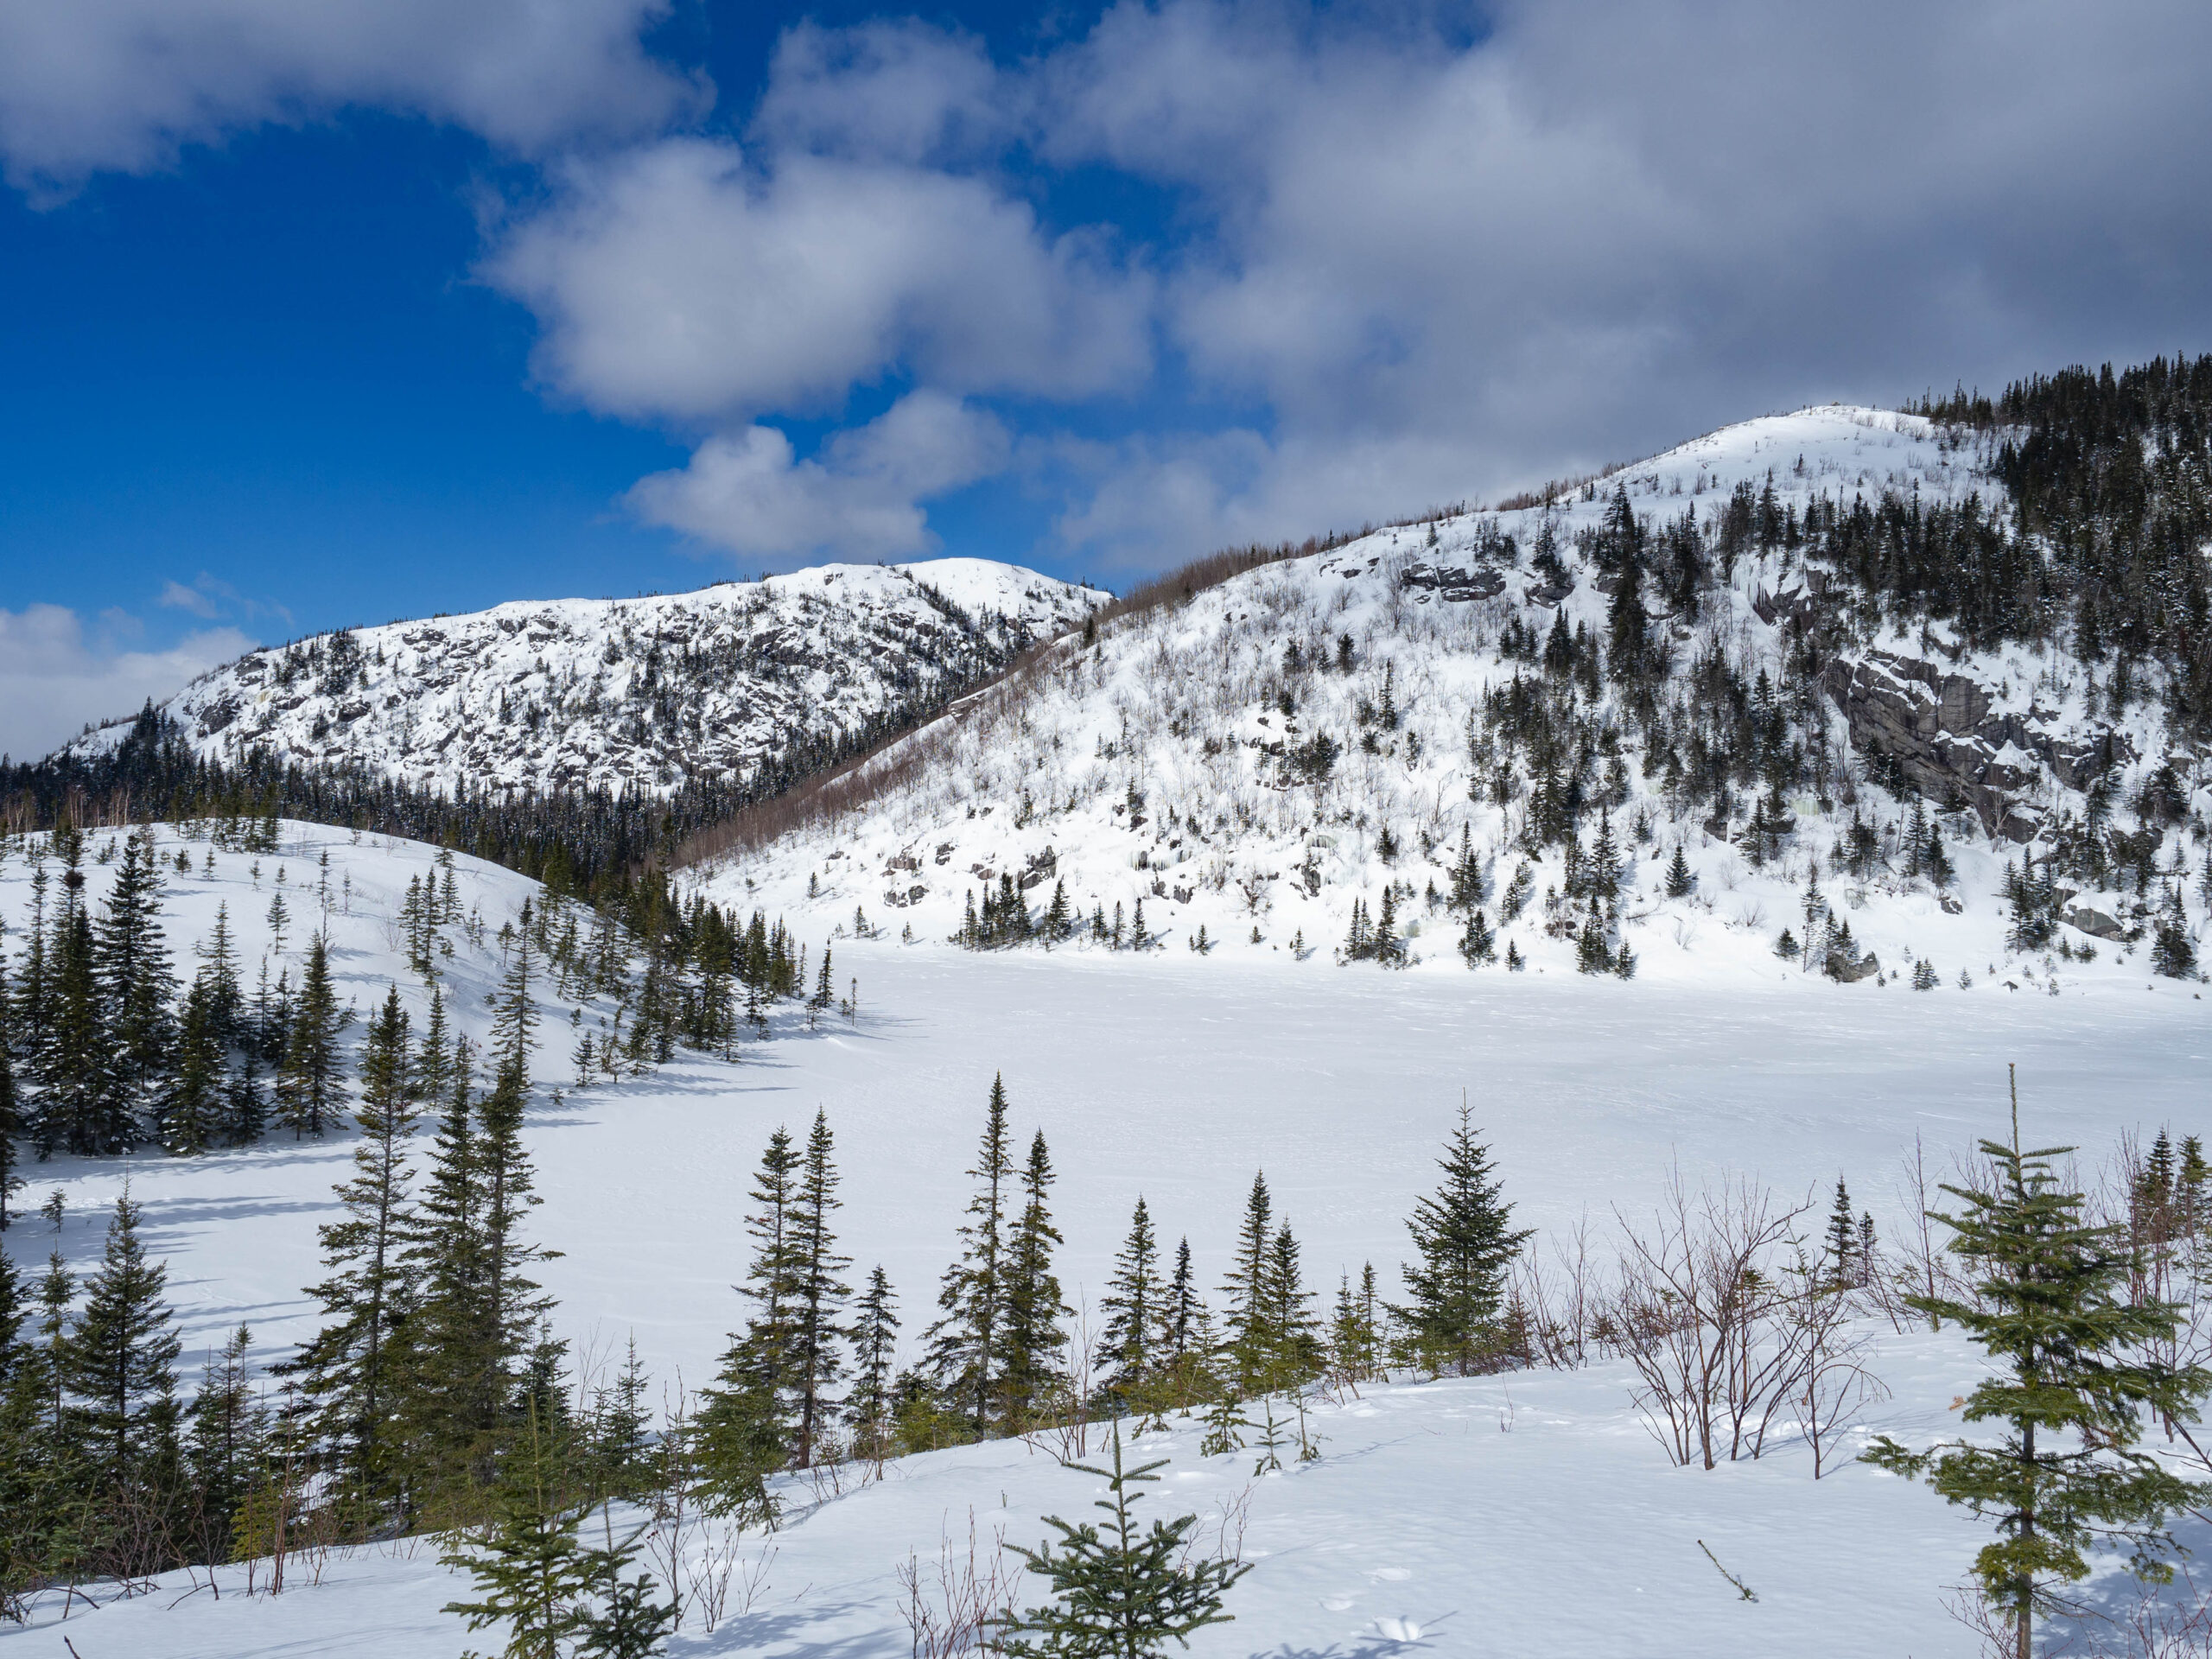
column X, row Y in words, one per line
column 1711, row 709
column 639, row 695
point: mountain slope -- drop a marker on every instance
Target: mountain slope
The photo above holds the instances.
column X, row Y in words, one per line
column 1832, row 753
column 716, row 687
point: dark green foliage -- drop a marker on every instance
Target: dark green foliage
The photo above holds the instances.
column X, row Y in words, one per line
column 2069, row 1400
column 818, row 1291
column 1456, row 1292
column 968, row 1342
column 1134, row 1313
column 352, row 1368
column 527, row 1570
column 869, row 1408
column 118, row 1365
column 307, row 1087
column 1033, row 1308
column 627, row 1622
column 1121, row 1593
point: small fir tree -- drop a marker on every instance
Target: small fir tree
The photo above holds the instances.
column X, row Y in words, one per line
column 2069, row 1401
column 1121, row 1593
column 1464, row 1235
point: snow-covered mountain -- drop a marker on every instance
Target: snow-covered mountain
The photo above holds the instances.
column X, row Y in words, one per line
column 1303, row 738
column 640, row 694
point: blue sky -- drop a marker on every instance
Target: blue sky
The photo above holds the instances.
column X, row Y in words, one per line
column 333, row 314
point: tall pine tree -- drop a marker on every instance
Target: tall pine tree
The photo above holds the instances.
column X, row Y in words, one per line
column 1466, row 1242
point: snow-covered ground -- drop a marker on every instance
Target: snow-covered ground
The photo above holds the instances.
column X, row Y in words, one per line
column 1526, row 1515
column 1152, row 768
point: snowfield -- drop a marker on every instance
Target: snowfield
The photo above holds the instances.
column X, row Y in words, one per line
column 1530, row 1514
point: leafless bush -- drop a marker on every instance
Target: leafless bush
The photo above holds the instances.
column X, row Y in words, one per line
column 1703, row 1313
column 950, row 1608
column 720, row 1566
column 1560, row 1303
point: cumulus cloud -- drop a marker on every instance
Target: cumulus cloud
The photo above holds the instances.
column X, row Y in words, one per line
column 680, row 280
column 55, row 677
column 1604, row 226
column 95, row 84
column 746, row 493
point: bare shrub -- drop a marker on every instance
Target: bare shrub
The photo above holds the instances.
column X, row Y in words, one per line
column 950, row 1608
column 1702, row 1313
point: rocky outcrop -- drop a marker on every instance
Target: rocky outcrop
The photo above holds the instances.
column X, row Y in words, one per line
column 1941, row 729
column 1454, row 582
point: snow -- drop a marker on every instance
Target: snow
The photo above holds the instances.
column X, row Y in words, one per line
column 1531, row 1514
column 637, row 694
column 1178, row 704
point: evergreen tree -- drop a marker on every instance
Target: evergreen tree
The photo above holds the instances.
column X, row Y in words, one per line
column 527, row 1569
column 820, row 1291
column 2051, row 1306
column 741, row 1429
column 352, row 1365
column 875, row 1337
column 1295, row 1352
column 1679, row 880
column 966, row 1342
column 11, row 1126
column 76, row 1097
column 1251, row 1339
column 1134, row 1309
column 627, row 1622
column 136, row 988
column 1033, row 1306
column 306, row 1086
column 227, row 1444
column 1123, row 1594
column 1478, row 944
column 1842, row 1237
column 1466, row 1243
column 1184, row 1307
column 118, row 1366
column 193, row 1108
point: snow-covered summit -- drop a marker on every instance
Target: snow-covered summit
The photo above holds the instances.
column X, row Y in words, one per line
column 638, row 695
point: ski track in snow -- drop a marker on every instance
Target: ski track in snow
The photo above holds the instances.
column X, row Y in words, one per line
column 1518, row 1516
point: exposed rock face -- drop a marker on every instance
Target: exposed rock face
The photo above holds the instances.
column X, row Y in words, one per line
column 2094, row 923
column 1841, row 966
column 1942, row 730
column 1454, row 582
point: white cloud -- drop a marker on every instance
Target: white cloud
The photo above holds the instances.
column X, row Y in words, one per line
column 860, row 499
column 55, row 679
column 678, row 280
column 93, row 85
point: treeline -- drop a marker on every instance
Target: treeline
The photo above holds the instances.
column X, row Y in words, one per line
column 105, row 1047
column 597, row 845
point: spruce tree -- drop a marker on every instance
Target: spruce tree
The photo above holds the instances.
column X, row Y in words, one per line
column 2051, row 1306
column 11, row 1126
column 741, row 1431
column 1033, row 1306
column 353, row 1366
column 1133, row 1311
column 820, row 1292
column 1252, row 1339
column 875, row 1337
column 136, row 988
column 1466, row 1243
column 1295, row 1352
column 967, row 1342
column 227, row 1444
column 1122, row 1593
column 192, row 1108
column 528, row 1573
column 308, row 1084
column 118, row 1366
column 1679, row 880
column 1842, row 1236
column 625, row 1620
